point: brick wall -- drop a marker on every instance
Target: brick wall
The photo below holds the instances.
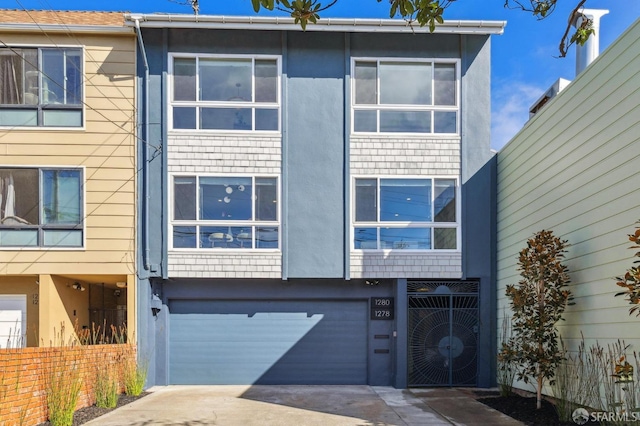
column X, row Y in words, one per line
column 24, row 372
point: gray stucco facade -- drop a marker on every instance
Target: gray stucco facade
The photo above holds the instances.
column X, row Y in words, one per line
column 193, row 302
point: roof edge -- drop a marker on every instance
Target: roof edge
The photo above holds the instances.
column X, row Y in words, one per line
column 111, row 29
column 158, row 20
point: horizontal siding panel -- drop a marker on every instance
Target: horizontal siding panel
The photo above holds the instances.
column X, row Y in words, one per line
column 101, row 221
column 112, row 91
column 110, row 233
column 109, row 104
column 111, row 186
column 115, row 197
column 117, row 264
column 59, row 151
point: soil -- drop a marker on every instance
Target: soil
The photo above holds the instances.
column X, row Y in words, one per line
column 524, row 409
column 86, row 414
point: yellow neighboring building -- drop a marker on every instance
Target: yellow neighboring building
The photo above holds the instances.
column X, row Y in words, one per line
column 67, row 174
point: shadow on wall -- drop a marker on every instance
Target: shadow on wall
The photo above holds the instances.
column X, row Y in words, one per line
column 268, row 342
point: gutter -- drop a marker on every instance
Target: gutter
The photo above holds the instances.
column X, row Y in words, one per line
column 326, row 24
column 145, row 151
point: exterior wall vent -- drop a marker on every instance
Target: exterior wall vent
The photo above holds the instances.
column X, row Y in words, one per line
column 551, row 93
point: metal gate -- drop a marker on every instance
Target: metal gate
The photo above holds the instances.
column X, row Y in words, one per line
column 443, row 333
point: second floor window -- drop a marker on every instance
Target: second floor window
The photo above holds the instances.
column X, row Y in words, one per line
column 395, row 96
column 41, row 87
column 41, row 207
column 225, row 93
column 225, row 212
column 405, row 214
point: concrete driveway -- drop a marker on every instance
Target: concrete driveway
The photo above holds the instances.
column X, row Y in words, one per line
column 303, row 405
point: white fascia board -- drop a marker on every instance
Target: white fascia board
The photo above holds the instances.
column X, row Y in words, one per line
column 52, row 28
column 325, row 24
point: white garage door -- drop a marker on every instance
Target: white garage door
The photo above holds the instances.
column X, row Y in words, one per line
column 13, row 319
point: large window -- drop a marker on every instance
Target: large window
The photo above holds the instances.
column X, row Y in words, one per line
column 405, row 214
column 41, row 207
column 394, row 96
column 226, row 93
column 41, row 87
column 231, row 212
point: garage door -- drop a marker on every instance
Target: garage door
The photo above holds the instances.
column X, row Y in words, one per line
column 267, row 342
column 13, row 317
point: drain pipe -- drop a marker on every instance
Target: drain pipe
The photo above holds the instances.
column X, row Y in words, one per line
column 145, row 151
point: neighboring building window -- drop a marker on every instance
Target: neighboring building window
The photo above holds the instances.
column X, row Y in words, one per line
column 229, row 93
column 41, row 87
column 394, row 96
column 41, row 207
column 234, row 212
column 405, row 214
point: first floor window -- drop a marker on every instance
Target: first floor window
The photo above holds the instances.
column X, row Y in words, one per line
column 225, row 212
column 405, row 214
column 41, row 87
column 41, row 207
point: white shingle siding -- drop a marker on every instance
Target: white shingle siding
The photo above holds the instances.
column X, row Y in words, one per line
column 220, row 154
column 225, row 265
column 224, row 154
column 383, row 155
column 405, row 265
column 411, row 156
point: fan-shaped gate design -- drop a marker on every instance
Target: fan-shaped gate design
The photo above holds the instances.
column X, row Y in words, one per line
column 443, row 335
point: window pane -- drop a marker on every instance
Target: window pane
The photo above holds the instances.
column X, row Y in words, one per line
column 184, row 79
column 18, row 76
column 18, row 238
column 365, row 238
column 225, row 198
column 445, row 84
column 266, row 81
column 266, row 119
column 53, row 78
column 405, row 83
column 62, row 118
column 405, row 238
column 444, row 238
column 73, row 77
column 366, row 200
column 18, row 117
column 266, row 199
column 444, row 203
column 19, row 190
column 62, row 238
column 61, row 197
column 405, row 200
column 405, row 121
column 365, row 121
column 444, row 122
column 184, row 198
column 267, row 238
column 365, row 82
column 184, row 118
column 225, row 118
column 225, row 80
column 222, row 237
column 184, row 237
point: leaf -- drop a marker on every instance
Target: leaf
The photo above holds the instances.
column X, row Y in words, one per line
column 256, row 5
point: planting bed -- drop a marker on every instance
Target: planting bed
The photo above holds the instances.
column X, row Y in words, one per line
column 86, row 414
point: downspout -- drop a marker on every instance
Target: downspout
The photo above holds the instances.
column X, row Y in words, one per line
column 145, row 151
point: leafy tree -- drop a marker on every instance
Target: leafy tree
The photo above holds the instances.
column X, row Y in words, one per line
column 430, row 12
column 538, row 302
column 631, row 280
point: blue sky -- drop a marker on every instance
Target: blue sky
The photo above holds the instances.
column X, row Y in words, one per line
column 524, row 58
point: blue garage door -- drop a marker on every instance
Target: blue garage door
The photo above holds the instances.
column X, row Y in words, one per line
column 267, row 342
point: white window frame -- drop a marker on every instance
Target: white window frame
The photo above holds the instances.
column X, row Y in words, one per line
column 399, row 107
column 38, row 106
column 385, row 224
column 83, row 205
column 226, row 223
column 197, row 104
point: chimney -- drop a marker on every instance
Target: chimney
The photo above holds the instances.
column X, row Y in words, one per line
column 591, row 49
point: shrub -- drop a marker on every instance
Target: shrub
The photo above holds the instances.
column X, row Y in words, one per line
column 62, row 386
column 135, row 376
column 106, row 387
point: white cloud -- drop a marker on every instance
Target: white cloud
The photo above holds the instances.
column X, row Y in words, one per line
column 510, row 110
